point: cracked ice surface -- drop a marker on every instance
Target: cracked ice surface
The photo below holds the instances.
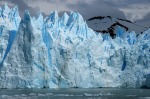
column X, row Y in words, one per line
column 56, row 52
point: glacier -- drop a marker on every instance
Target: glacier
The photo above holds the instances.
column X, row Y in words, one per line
column 63, row 52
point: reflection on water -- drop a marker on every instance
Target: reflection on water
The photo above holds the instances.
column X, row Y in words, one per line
column 102, row 93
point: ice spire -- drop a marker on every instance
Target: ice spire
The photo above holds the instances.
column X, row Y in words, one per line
column 0, row 11
column 132, row 38
column 40, row 21
column 53, row 16
column 40, row 18
column 15, row 10
column 79, row 17
column 27, row 15
column 74, row 16
column 5, row 7
column 120, row 32
column 64, row 19
column 5, row 10
column 53, row 19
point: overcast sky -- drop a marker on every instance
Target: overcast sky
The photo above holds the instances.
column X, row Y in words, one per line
column 134, row 10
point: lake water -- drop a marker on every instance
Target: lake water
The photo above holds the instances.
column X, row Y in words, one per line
column 101, row 93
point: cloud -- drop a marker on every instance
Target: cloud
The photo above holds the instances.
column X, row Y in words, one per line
column 47, row 6
column 97, row 8
column 81, row 6
column 88, row 8
column 145, row 21
column 135, row 10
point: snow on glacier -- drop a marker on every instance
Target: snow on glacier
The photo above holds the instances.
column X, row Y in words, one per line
column 56, row 52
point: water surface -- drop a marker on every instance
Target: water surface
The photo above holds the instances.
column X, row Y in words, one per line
column 101, row 93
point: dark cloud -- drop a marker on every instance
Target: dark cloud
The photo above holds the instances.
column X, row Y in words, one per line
column 87, row 8
column 96, row 8
column 145, row 21
column 122, row 3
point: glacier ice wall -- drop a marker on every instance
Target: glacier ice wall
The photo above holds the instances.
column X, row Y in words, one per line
column 56, row 52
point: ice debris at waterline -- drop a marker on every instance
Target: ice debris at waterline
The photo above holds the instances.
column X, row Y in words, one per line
column 63, row 52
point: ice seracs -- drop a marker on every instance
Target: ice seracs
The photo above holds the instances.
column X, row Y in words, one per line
column 63, row 52
column 9, row 17
column 5, row 11
column 64, row 19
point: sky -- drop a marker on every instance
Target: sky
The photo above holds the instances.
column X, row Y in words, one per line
column 134, row 10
